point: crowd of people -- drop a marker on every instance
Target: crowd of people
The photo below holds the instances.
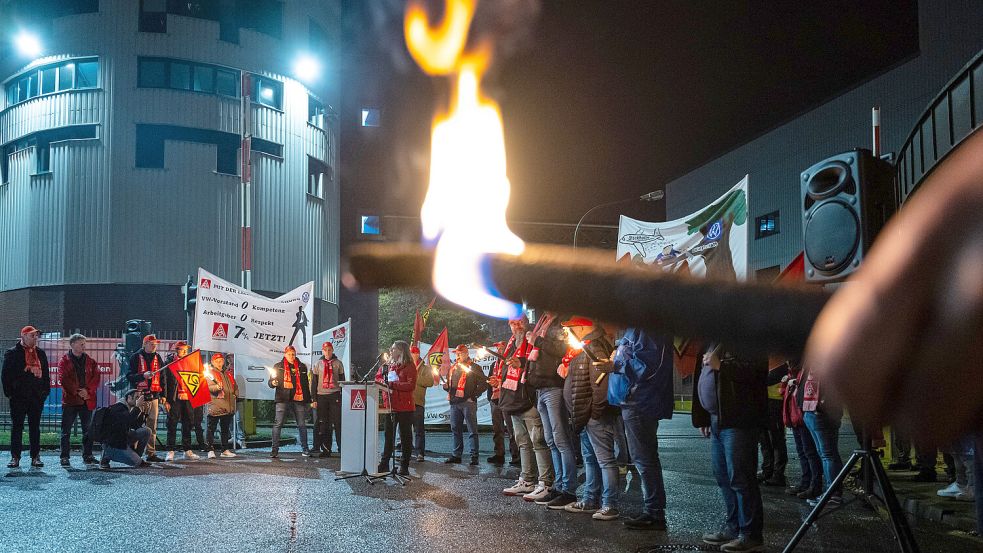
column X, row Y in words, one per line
column 563, row 393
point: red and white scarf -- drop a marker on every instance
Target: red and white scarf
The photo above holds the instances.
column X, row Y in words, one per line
column 32, row 361
column 291, row 378
column 155, row 368
column 327, row 379
column 516, row 375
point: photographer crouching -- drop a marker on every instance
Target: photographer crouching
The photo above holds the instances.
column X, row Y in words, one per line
column 123, row 432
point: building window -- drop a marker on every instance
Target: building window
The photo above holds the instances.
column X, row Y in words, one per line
column 370, row 117
column 318, row 175
column 371, row 225
column 150, row 143
column 55, row 77
column 315, row 112
column 185, row 75
column 268, row 92
column 767, row 225
column 153, row 16
column 41, row 142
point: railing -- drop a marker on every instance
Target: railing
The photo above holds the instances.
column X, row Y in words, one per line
column 953, row 115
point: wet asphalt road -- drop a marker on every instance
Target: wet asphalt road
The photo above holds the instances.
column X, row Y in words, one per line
column 254, row 504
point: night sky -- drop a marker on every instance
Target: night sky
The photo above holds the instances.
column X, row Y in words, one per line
column 609, row 100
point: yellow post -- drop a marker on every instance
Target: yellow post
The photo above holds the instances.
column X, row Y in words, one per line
column 248, row 418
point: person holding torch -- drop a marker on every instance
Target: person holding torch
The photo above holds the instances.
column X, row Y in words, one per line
column 293, row 392
column 464, row 384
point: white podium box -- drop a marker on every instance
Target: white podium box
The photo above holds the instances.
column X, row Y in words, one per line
column 360, row 408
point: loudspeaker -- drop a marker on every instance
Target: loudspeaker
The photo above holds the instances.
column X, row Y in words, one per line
column 846, row 199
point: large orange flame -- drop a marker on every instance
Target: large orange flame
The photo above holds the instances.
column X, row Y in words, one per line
column 464, row 211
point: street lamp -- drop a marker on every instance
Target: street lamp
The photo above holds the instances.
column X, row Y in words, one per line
column 28, row 44
column 307, row 68
column 653, row 196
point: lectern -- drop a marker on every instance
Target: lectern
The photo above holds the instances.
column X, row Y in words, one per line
column 360, row 409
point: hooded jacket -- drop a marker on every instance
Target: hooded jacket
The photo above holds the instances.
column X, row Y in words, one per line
column 585, row 391
column 642, row 377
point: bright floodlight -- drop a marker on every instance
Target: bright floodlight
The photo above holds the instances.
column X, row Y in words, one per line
column 28, row 44
column 307, row 68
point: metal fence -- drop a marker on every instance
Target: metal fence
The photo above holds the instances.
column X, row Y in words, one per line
column 102, row 349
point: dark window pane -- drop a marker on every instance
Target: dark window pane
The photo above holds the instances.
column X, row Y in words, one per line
column 153, row 16
column 180, row 76
column 315, row 112
column 87, row 74
column 66, row 76
column 11, row 93
column 31, row 85
column 267, row 147
column 42, row 154
column 204, row 80
column 227, row 82
column 48, row 80
column 152, row 73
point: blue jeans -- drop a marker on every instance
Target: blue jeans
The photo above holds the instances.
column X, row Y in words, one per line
column 601, row 437
column 642, row 429
column 463, row 413
column 136, row 441
column 826, row 434
column 299, row 409
column 734, row 454
column 812, row 471
column 592, row 472
column 557, row 433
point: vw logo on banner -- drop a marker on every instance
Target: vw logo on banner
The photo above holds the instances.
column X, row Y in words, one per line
column 715, row 231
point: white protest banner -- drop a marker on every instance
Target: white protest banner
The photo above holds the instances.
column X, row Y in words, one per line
column 712, row 242
column 341, row 338
column 437, row 409
column 231, row 319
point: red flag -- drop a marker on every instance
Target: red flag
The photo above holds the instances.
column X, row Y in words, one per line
column 439, row 356
column 418, row 325
column 190, row 377
column 426, row 313
column 795, row 272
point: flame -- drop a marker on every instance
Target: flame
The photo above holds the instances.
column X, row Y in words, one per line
column 573, row 341
column 464, row 368
column 464, row 210
column 272, row 372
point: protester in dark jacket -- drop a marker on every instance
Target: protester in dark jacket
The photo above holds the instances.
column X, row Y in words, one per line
column 144, row 373
column 502, row 423
column 179, row 350
column 176, row 400
column 80, row 381
column 124, row 434
column 811, row 483
column 401, row 379
column 465, row 382
column 730, row 407
column 26, row 383
column 586, row 390
column 550, row 346
column 293, row 392
column 642, row 385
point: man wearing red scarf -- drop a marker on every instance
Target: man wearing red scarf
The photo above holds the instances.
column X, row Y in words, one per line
column 26, row 384
column 328, row 373
column 293, row 392
column 144, row 374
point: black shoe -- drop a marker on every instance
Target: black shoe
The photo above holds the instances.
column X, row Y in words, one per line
column 452, row 460
column 811, row 493
column 795, row 490
column 65, row 462
column 104, row 464
column 90, row 460
column 515, row 462
column 383, row 467
column 553, row 494
column 474, row 461
column 420, row 458
column 275, row 453
column 324, row 454
column 763, row 476
column 306, row 452
column 143, row 465
column 925, row 476
column 561, row 501
column 14, row 463
column 36, row 462
column 497, row 459
column 404, row 470
column 900, row 465
column 775, row 481
column 646, row 522
column 154, row 458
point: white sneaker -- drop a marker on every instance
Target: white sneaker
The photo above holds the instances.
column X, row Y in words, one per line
column 952, row 490
column 191, row 456
column 540, row 492
column 228, row 454
column 169, row 457
column 580, row 507
column 521, row 487
column 211, row 454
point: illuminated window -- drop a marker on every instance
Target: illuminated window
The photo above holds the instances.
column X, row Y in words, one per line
column 268, row 92
column 371, row 225
column 767, row 225
column 48, row 79
column 370, row 117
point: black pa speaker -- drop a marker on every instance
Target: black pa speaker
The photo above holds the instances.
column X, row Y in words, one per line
column 846, row 199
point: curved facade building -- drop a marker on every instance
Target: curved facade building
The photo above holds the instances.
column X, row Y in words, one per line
column 122, row 161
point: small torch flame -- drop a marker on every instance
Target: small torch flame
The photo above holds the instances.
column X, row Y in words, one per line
column 272, row 372
column 572, row 341
column 468, row 179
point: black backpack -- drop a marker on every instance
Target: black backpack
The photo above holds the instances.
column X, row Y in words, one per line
column 95, row 427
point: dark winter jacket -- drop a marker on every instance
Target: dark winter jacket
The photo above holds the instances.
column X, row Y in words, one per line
column 134, row 373
column 20, row 385
column 118, row 421
column 742, row 392
column 585, row 391
column 552, row 348
column 286, row 395
column 520, row 400
column 70, row 384
column 642, row 376
column 474, row 385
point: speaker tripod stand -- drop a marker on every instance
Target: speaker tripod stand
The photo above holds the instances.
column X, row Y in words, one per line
column 870, row 469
